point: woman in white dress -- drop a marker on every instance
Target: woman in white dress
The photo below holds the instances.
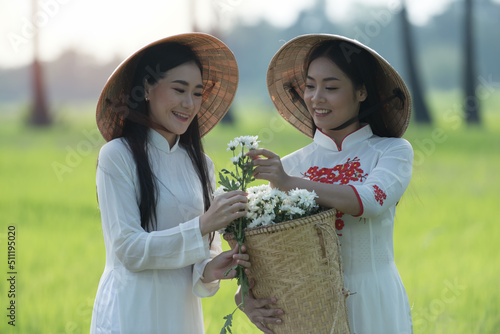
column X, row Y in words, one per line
column 356, row 107
column 155, row 185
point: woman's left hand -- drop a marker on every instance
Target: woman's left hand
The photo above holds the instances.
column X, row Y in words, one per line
column 219, row 265
column 268, row 167
column 257, row 312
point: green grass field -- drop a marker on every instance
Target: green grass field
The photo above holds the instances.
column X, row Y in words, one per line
column 446, row 232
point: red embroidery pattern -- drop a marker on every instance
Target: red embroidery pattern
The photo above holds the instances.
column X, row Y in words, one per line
column 343, row 174
column 339, row 223
column 380, row 195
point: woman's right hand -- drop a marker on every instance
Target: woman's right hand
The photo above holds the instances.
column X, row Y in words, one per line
column 224, row 209
column 268, row 166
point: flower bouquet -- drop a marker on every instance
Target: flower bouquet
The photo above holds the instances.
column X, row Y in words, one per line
column 293, row 248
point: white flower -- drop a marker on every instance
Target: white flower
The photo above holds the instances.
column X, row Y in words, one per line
column 250, row 142
column 252, row 215
column 235, row 159
column 254, row 145
column 268, row 219
column 247, row 141
column 269, row 207
column 275, row 192
column 219, row 191
column 258, row 191
column 285, row 207
column 232, row 145
column 262, row 220
column 254, row 223
column 291, row 211
column 303, row 198
column 296, row 211
column 266, row 196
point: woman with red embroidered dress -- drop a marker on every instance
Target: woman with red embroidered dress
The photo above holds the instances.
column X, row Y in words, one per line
column 356, row 107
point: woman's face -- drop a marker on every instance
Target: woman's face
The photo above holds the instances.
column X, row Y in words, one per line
column 331, row 97
column 175, row 99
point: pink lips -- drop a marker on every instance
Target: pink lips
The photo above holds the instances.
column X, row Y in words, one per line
column 322, row 114
column 183, row 118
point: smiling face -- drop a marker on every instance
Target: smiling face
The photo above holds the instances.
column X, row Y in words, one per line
column 331, row 98
column 175, row 100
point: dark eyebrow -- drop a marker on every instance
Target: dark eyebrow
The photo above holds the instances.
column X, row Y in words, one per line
column 325, row 79
column 185, row 83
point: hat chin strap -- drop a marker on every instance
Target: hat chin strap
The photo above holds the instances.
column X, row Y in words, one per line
column 349, row 122
column 397, row 93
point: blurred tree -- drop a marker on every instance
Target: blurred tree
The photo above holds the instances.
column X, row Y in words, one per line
column 471, row 104
column 216, row 30
column 440, row 48
column 419, row 106
column 313, row 19
column 39, row 112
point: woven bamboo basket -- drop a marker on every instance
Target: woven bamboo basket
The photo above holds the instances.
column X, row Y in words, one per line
column 298, row 262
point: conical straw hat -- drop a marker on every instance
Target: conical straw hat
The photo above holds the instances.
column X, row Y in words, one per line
column 286, row 77
column 219, row 75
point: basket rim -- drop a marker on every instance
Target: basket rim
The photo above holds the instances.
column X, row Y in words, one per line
column 272, row 228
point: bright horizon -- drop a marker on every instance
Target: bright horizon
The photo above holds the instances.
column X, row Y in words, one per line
column 107, row 29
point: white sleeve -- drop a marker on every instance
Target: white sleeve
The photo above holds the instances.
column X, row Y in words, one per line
column 201, row 289
column 209, row 289
column 137, row 249
column 387, row 182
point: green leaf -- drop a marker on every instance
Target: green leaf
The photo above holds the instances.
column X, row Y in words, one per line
column 224, row 181
column 229, row 322
column 227, row 325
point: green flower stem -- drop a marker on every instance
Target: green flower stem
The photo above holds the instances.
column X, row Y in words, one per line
column 237, row 227
column 240, row 270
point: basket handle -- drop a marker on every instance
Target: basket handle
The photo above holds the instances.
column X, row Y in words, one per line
column 320, row 230
column 326, row 230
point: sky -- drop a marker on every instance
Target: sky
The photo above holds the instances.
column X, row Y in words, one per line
column 109, row 29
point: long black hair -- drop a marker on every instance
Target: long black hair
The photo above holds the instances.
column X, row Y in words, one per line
column 362, row 69
column 151, row 68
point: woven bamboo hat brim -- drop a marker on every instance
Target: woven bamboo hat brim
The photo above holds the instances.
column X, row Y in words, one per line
column 286, row 85
column 219, row 75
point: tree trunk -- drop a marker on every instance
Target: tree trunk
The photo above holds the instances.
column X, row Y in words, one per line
column 471, row 104
column 420, row 109
column 39, row 112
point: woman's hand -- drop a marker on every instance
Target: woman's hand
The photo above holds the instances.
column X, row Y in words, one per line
column 343, row 197
column 223, row 210
column 256, row 310
column 268, row 167
column 219, row 265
